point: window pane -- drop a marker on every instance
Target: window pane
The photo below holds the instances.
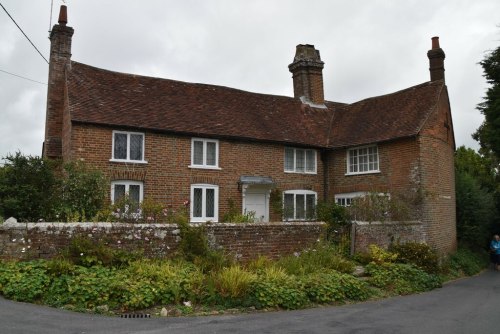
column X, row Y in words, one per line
column 289, row 205
column 289, row 159
column 310, row 161
column 300, row 207
column 353, row 161
column 198, row 153
column 120, row 146
column 197, row 202
column 299, row 160
column 119, row 192
column 136, row 147
column 211, row 153
column 134, row 192
column 310, row 206
column 210, row 203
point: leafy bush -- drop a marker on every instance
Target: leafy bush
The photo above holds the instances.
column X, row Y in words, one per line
column 233, row 282
column 24, row 281
column 86, row 288
column 419, row 254
column 380, row 255
column 465, row 261
column 234, row 215
column 170, row 282
column 82, row 194
column 331, row 286
column 322, row 256
column 286, row 292
column 87, row 252
column 401, row 278
column 27, row 188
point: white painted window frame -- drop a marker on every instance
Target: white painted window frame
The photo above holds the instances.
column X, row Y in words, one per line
column 294, row 169
column 357, row 149
column 348, row 197
column 128, row 133
column 204, row 165
column 204, row 188
column 296, row 192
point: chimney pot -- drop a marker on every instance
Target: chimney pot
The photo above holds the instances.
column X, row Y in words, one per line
column 435, row 42
column 63, row 15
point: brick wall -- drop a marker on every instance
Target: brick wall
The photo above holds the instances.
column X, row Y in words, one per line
column 398, row 164
column 385, row 234
column 242, row 241
column 167, row 177
column 438, row 179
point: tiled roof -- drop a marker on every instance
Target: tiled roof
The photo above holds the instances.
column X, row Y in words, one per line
column 387, row 117
column 121, row 100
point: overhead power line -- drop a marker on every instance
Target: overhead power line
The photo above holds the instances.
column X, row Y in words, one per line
column 24, row 33
column 20, row 76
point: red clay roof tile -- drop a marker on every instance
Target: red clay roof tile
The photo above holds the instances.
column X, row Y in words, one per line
column 121, row 100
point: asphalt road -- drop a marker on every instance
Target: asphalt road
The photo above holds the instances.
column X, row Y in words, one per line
column 465, row 306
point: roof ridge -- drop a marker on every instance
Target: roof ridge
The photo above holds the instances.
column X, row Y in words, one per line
column 427, row 83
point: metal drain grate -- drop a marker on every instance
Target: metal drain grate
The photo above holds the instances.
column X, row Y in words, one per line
column 135, row 315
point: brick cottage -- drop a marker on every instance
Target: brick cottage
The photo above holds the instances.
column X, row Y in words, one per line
column 175, row 141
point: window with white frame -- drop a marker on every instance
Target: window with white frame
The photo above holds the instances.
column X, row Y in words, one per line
column 204, row 202
column 347, row 198
column 128, row 146
column 362, row 160
column 204, row 153
column 299, row 204
column 299, row 160
column 132, row 192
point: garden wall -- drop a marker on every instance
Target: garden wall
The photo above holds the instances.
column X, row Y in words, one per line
column 383, row 234
column 243, row 241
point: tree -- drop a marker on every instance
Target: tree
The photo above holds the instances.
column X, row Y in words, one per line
column 27, row 186
column 488, row 133
column 475, row 182
column 32, row 188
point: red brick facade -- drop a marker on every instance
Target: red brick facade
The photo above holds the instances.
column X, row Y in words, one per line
column 167, row 176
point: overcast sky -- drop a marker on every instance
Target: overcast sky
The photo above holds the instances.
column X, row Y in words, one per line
column 370, row 48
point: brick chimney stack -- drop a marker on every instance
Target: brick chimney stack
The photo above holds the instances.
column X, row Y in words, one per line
column 60, row 62
column 436, row 60
column 307, row 70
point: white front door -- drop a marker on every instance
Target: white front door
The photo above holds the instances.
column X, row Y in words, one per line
column 257, row 201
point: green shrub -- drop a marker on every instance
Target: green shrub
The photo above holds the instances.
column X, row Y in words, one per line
column 401, row 278
column 322, row 256
column 380, row 255
column 82, row 192
column 419, row 254
column 24, row 281
column 234, row 281
column 172, row 282
column 331, row 286
column 84, row 251
column 286, row 293
column 27, row 188
column 465, row 262
column 86, row 288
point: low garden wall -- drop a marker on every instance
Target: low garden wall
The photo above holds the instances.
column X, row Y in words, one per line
column 243, row 241
column 383, row 234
